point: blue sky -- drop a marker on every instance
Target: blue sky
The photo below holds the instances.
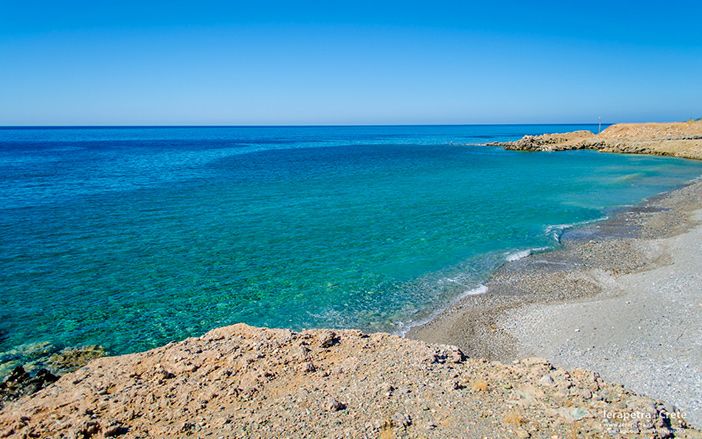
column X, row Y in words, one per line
column 353, row 62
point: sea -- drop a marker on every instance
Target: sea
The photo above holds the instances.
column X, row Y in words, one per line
column 131, row 237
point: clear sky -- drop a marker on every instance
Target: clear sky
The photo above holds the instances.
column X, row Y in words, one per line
column 352, row 62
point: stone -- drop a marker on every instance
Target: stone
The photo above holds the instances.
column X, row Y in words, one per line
column 21, row 383
column 547, row 380
column 115, row 429
column 328, row 339
column 402, row 419
column 88, row 429
column 308, row 367
column 335, row 405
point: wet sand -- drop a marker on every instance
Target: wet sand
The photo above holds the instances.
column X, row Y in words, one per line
column 623, row 297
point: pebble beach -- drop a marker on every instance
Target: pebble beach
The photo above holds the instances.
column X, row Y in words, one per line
column 620, row 298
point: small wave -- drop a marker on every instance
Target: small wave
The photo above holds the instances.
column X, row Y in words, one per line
column 628, row 177
column 480, row 289
column 556, row 231
column 523, row 253
column 518, row 255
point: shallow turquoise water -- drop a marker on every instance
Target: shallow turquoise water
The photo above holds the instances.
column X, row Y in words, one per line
column 133, row 237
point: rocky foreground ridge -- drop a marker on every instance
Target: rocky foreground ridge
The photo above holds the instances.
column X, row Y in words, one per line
column 678, row 139
column 240, row 381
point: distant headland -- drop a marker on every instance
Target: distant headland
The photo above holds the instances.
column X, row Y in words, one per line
column 677, row 139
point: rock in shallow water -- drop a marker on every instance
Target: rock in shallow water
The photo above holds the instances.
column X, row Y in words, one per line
column 70, row 359
column 21, row 383
column 44, row 355
column 35, row 366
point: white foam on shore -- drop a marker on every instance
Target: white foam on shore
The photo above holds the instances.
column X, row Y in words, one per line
column 517, row 255
column 523, row 253
column 480, row 289
column 555, row 231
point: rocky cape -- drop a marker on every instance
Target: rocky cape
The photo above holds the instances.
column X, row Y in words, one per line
column 677, row 139
column 241, row 381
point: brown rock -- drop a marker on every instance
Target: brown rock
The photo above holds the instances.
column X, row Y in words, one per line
column 679, row 139
column 246, row 386
column 334, row 405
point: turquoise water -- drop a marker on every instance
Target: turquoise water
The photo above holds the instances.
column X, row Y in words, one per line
column 134, row 237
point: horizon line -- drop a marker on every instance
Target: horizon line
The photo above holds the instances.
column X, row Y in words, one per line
column 4, row 127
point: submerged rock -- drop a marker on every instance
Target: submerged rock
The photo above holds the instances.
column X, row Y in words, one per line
column 31, row 367
column 70, row 359
column 30, row 356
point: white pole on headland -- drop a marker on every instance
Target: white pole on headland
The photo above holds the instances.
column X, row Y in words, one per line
column 599, row 124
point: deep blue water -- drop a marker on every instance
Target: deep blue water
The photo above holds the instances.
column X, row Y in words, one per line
column 132, row 237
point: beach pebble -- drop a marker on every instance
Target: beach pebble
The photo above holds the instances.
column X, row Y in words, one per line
column 328, row 339
column 308, row 367
column 402, row 419
column 547, row 380
column 334, row 405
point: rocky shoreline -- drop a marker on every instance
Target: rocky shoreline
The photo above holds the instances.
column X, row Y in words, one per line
column 676, row 139
column 26, row 371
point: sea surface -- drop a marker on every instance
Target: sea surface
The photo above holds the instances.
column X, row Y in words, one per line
column 133, row 237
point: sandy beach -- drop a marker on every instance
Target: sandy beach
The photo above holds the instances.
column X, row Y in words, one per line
column 620, row 298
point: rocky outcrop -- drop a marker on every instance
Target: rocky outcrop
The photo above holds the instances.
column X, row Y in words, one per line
column 241, row 381
column 35, row 366
column 553, row 142
column 44, row 355
column 20, row 383
column 678, row 139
